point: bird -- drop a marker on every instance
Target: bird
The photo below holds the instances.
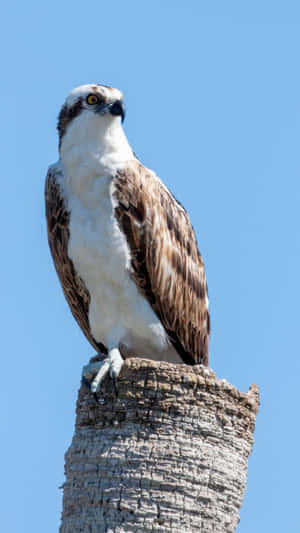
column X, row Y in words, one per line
column 123, row 247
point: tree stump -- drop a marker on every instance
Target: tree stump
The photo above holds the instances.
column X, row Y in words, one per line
column 170, row 454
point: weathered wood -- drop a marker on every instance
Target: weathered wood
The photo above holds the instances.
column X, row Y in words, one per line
column 169, row 455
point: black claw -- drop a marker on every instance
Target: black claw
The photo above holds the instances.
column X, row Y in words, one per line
column 115, row 384
column 86, row 382
column 96, row 397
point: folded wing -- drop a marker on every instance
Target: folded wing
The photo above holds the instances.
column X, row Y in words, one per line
column 166, row 263
column 74, row 289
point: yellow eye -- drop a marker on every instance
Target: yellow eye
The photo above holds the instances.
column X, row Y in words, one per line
column 92, row 99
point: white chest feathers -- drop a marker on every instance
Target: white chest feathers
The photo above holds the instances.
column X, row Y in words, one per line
column 118, row 312
column 97, row 246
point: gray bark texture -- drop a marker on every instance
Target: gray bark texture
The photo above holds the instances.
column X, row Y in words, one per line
column 170, row 454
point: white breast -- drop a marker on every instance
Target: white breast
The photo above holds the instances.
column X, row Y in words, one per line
column 118, row 312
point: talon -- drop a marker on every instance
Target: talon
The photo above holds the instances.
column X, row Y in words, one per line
column 96, row 397
column 115, row 384
column 94, row 373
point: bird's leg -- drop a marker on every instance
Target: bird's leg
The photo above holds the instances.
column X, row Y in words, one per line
column 112, row 364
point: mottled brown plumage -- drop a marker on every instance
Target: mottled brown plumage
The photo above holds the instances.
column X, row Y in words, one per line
column 74, row 289
column 167, row 266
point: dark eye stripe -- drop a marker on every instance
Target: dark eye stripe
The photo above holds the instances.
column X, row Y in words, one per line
column 66, row 115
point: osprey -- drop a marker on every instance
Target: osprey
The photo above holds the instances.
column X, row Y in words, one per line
column 123, row 247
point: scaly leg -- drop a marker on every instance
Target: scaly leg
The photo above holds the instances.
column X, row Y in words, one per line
column 112, row 364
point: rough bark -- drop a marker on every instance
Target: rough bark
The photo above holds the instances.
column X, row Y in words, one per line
column 169, row 455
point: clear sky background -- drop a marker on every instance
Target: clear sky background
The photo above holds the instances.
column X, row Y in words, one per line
column 212, row 91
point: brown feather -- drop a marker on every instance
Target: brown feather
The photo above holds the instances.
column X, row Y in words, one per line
column 167, row 265
column 74, row 289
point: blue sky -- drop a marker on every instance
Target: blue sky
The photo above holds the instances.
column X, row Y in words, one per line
column 212, row 96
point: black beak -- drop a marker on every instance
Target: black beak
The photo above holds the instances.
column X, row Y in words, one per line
column 117, row 109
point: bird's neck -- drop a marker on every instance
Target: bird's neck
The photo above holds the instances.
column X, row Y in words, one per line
column 88, row 149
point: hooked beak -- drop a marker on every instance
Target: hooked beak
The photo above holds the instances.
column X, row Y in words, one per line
column 116, row 108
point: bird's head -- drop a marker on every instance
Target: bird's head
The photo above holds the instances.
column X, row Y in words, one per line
column 89, row 110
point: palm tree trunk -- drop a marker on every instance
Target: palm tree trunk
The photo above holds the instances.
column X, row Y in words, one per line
column 169, row 455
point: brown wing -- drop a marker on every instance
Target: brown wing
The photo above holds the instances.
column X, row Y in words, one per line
column 167, row 266
column 74, row 289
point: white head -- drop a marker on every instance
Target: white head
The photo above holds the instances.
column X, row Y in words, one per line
column 90, row 112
